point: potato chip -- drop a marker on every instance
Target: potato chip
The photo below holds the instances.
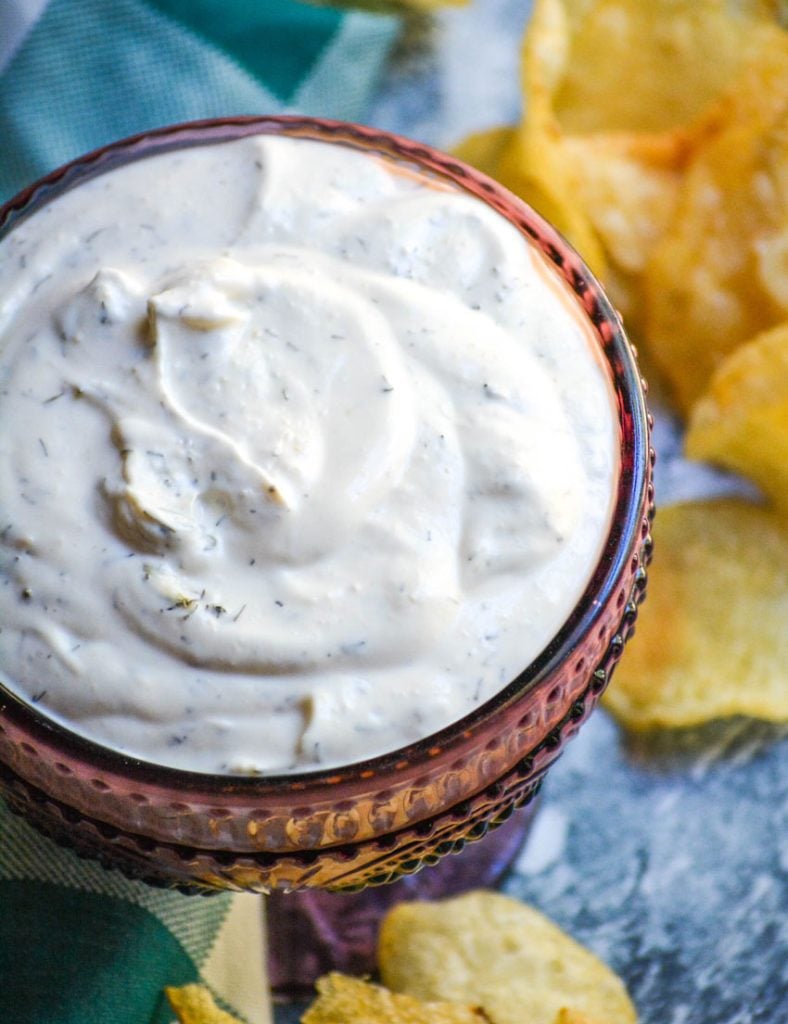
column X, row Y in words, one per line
column 718, row 275
column 774, row 10
column 483, row 149
column 741, row 422
column 674, row 187
column 486, row 948
column 567, row 1016
column 628, row 188
column 612, row 193
column 714, row 642
column 194, row 1004
column 345, row 1000
column 533, row 166
column 648, row 67
column 675, row 57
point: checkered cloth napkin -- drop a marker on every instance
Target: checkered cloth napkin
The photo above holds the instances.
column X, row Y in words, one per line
column 78, row 944
column 75, row 74
column 83, row 945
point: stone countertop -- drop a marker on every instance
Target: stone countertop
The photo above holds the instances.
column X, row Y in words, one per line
column 666, row 855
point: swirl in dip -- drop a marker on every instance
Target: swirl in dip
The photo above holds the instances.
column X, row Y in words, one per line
column 304, row 456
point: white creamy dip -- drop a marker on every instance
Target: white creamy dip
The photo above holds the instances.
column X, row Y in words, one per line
column 303, row 456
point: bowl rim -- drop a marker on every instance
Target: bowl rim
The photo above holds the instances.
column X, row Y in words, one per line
column 626, row 522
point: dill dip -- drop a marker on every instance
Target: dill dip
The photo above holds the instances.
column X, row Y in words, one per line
column 304, row 456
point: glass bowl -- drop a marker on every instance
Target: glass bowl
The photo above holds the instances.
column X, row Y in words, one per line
column 371, row 822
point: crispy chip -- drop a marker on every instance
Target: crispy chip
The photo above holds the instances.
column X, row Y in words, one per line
column 714, row 642
column 647, row 67
column 626, row 66
column 567, row 1016
column 489, row 949
column 719, row 275
column 617, row 188
column 741, row 423
column 533, row 166
column 629, row 187
column 194, row 1004
column 483, row 149
column 345, row 1000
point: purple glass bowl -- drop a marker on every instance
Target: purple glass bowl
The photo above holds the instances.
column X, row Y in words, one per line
column 370, row 822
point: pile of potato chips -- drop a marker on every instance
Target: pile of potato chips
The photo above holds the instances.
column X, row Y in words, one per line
column 655, row 137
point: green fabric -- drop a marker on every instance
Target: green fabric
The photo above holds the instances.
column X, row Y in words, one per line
column 97, row 959
column 83, row 945
column 275, row 40
column 27, row 856
column 96, row 70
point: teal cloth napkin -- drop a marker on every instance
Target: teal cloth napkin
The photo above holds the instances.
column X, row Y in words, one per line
column 78, row 944
column 91, row 71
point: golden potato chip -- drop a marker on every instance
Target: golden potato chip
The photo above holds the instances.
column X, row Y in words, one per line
column 741, row 422
column 532, row 165
column 647, row 67
column 489, row 949
column 614, row 194
column 774, row 10
column 194, row 1004
column 567, row 1016
column 628, row 189
column 714, row 642
column 345, row 1000
column 483, row 149
column 718, row 275
column 617, row 188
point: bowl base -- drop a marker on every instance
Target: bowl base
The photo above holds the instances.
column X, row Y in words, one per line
column 312, row 932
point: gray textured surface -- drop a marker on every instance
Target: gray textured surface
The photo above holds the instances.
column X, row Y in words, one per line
column 667, row 856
